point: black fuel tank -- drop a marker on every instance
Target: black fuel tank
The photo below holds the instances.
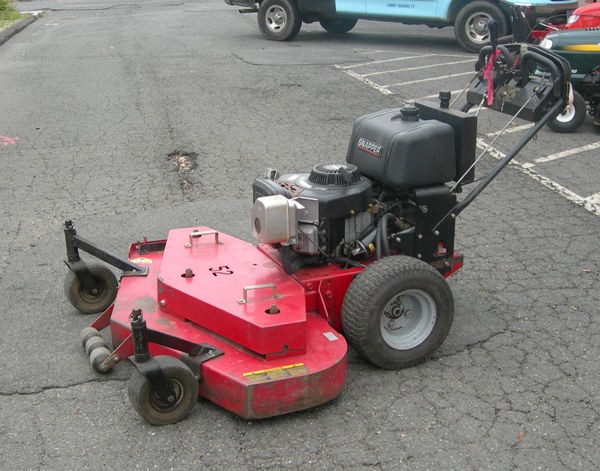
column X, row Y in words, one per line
column 399, row 150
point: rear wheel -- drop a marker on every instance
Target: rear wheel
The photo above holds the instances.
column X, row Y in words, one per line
column 279, row 20
column 397, row 312
column 571, row 117
column 338, row 25
column 471, row 24
column 150, row 406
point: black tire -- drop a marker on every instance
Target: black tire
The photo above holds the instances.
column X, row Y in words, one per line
column 90, row 303
column 147, row 403
column 470, row 26
column 279, row 20
column 571, row 118
column 338, row 25
column 397, row 312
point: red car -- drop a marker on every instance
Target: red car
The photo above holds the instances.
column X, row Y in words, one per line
column 587, row 16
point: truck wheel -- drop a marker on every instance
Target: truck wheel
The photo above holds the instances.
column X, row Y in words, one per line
column 570, row 118
column 151, row 407
column 279, row 20
column 470, row 27
column 397, row 312
column 88, row 302
column 338, row 25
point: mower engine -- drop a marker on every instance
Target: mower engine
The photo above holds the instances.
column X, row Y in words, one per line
column 391, row 190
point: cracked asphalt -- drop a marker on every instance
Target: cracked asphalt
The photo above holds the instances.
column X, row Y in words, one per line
column 96, row 96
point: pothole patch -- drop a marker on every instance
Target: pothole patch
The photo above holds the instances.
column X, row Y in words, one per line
column 185, row 163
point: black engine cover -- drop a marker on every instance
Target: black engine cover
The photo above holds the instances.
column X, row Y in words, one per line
column 329, row 195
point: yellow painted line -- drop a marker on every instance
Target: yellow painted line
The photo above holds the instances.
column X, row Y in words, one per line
column 260, row 376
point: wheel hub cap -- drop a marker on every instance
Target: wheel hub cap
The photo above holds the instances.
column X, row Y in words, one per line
column 276, row 18
column 477, row 28
column 408, row 319
column 567, row 115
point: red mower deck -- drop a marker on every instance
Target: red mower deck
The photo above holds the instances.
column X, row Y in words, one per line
column 217, row 290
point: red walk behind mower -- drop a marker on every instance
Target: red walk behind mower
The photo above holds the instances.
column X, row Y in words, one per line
column 361, row 247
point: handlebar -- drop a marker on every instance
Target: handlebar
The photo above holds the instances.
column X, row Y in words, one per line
column 520, row 79
column 535, row 58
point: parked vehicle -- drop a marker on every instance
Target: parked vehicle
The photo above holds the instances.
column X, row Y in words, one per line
column 581, row 47
column 587, row 16
column 281, row 20
column 577, row 40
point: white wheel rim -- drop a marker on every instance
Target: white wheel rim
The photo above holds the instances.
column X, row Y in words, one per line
column 477, row 29
column 408, row 319
column 567, row 114
column 276, row 18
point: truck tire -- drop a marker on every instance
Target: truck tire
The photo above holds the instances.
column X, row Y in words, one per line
column 570, row 119
column 397, row 312
column 279, row 20
column 470, row 26
column 338, row 25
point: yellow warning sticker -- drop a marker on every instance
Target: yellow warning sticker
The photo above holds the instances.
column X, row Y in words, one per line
column 272, row 374
column 142, row 261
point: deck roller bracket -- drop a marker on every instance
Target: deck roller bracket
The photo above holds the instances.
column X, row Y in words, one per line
column 192, row 354
column 198, row 234
column 75, row 243
column 244, row 299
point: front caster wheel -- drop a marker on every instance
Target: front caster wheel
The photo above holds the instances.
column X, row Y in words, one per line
column 92, row 301
column 151, row 407
column 397, row 312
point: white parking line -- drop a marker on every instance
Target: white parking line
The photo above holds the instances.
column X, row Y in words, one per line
column 375, row 51
column 568, row 152
column 383, row 61
column 370, row 83
column 523, row 127
column 430, row 66
column 590, row 203
column 594, row 199
column 430, row 79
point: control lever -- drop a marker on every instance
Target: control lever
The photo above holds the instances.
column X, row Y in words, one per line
column 493, row 29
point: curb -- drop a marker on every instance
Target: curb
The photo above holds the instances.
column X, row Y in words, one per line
column 13, row 29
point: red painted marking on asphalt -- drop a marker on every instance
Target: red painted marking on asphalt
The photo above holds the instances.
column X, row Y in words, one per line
column 7, row 141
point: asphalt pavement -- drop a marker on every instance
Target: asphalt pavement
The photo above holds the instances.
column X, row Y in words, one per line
column 96, row 96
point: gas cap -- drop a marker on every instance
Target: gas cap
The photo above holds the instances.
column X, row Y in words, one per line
column 410, row 113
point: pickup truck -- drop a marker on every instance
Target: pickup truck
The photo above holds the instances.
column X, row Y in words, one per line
column 280, row 20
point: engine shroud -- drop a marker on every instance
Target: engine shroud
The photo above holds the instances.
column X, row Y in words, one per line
column 325, row 199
